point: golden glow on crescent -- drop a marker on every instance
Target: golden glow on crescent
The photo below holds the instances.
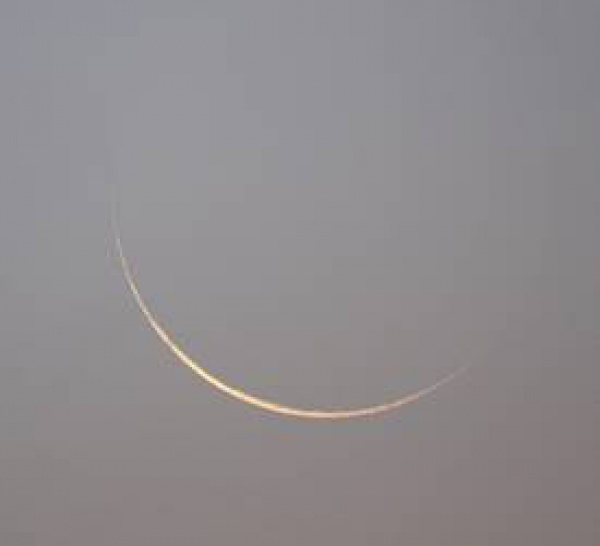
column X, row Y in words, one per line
column 240, row 395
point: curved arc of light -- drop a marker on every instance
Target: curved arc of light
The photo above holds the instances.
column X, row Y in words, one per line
column 242, row 396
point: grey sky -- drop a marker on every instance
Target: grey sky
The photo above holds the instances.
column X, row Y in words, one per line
column 332, row 204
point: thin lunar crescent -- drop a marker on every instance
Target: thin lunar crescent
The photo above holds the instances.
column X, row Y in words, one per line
column 241, row 395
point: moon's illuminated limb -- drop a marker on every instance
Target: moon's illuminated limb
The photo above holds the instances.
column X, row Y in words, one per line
column 249, row 399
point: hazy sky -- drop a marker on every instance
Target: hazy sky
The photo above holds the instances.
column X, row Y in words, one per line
column 332, row 204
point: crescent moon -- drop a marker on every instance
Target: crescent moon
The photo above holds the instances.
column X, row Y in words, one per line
column 243, row 396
